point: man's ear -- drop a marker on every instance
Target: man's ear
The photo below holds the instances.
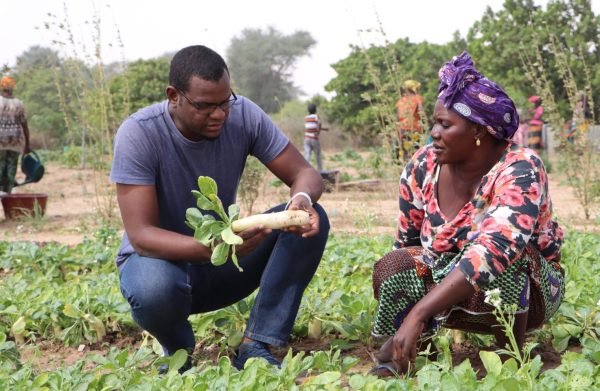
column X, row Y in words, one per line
column 172, row 94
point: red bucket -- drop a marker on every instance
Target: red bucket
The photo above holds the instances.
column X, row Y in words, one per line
column 23, row 204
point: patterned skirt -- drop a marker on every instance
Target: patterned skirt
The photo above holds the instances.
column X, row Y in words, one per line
column 401, row 279
column 534, row 137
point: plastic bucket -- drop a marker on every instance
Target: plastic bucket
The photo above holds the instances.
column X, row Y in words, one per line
column 23, row 204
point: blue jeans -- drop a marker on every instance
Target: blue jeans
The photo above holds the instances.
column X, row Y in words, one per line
column 163, row 294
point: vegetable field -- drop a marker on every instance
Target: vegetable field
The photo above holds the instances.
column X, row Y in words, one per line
column 64, row 324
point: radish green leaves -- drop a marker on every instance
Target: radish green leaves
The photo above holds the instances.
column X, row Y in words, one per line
column 213, row 233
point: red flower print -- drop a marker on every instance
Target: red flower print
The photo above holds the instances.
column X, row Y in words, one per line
column 491, row 225
column 534, row 192
column 543, row 241
column 526, row 222
column 426, row 229
column 449, row 232
column 403, row 223
column 416, row 216
column 461, row 243
column 490, row 246
column 431, row 206
column 405, row 192
column 428, row 190
column 510, row 205
column 498, row 265
column 512, row 197
column 441, row 245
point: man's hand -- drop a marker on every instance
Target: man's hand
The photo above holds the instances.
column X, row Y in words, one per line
column 252, row 238
column 26, row 149
column 308, row 230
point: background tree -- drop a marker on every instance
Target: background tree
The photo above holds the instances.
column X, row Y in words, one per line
column 39, row 73
column 500, row 39
column 142, row 83
column 497, row 43
column 261, row 63
column 361, row 95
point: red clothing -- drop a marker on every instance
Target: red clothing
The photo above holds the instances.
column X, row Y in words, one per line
column 510, row 210
column 537, row 116
column 408, row 112
column 312, row 127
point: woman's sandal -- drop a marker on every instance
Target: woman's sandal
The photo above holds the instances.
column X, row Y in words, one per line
column 385, row 369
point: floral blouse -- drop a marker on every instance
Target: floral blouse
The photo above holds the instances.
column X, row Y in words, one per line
column 510, row 210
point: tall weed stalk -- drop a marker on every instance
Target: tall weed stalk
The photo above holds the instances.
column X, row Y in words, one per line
column 577, row 153
column 250, row 184
column 387, row 78
column 87, row 103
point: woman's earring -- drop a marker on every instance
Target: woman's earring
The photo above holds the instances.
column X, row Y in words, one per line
column 477, row 142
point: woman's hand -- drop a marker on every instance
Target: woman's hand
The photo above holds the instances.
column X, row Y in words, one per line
column 404, row 345
column 452, row 290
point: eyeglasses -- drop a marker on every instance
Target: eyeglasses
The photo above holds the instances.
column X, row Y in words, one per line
column 209, row 108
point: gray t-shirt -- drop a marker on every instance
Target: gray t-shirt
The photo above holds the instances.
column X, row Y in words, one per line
column 150, row 150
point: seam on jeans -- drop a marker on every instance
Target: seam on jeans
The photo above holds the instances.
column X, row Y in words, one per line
column 265, row 270
column 121, row 288
column 268, row 340
column 188, row 268
column 122, row 266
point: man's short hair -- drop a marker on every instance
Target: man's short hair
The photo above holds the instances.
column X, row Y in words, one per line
column 199, row 61
column 312, row 108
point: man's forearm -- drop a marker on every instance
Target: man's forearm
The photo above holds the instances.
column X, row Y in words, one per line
column 310, row 182
column 163, row 244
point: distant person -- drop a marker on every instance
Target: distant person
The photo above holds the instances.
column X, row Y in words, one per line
column 536, row 124
column 581, row 117
column 409, row 109
column 166, row 275
column 14, row 134
column 475, row 216
column 520, row 137
column 312, row 131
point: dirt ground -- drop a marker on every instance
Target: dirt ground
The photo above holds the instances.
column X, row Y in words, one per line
column 72, row 212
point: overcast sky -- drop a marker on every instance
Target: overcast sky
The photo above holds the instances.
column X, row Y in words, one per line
column 149, row 28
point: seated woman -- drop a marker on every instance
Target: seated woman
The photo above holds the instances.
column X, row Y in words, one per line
column 475, row 215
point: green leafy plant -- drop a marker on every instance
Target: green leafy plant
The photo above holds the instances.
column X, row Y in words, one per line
column 220, row 235
column 33, row 217
column 207, row 229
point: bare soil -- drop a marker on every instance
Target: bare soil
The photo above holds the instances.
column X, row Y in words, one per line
column 73, row 212
column 73, row 209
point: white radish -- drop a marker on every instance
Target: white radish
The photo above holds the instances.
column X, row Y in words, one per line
column 287, row 218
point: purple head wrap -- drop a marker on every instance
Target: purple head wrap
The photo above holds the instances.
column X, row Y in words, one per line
column 467, row 92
